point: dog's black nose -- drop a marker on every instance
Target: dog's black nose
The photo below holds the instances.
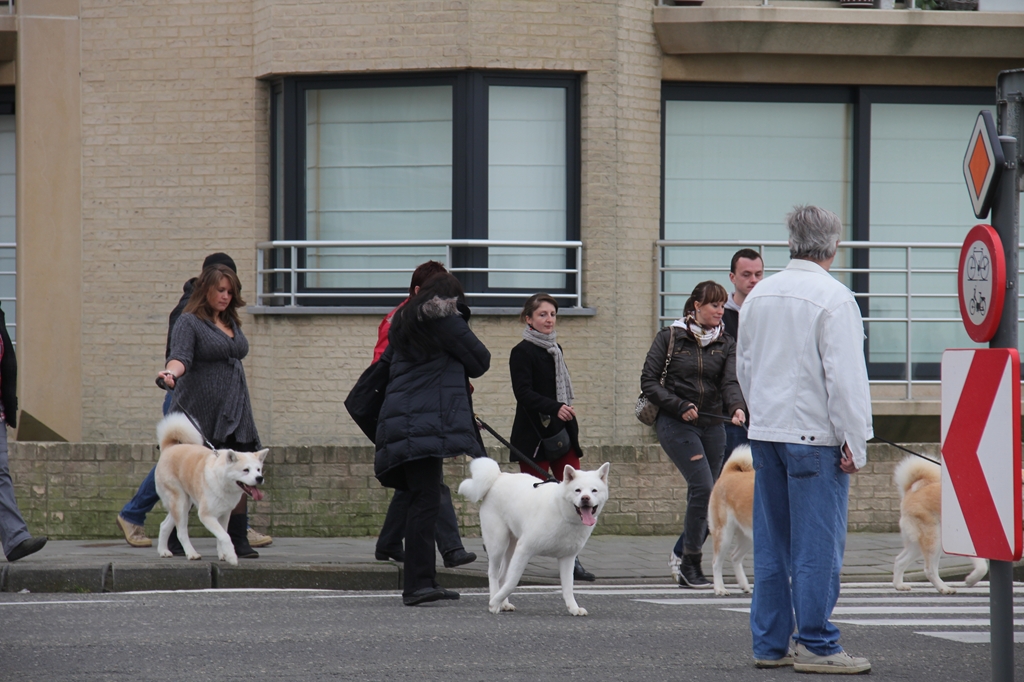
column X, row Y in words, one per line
column 259, row 479
column 585, row 498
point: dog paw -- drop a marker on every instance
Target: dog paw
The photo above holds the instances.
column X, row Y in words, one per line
column 946, row 589
column 195, row 556
column 494, row 608
column 507, row 606
column 747, row 589
column 902, row 587
column 721, row 592
column 165, row 553
column 578, row 611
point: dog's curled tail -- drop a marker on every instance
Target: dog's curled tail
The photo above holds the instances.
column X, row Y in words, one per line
column 911, row 470
column 740, row 460
column 175, row 429
column 484, row 472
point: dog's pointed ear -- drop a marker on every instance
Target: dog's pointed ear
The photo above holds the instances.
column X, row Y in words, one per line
column 262, row 454
column 603, row 472
column 569, row 473
column 232, row 456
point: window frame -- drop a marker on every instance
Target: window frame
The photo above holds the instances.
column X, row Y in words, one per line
column 469, row 166
column 861, row 98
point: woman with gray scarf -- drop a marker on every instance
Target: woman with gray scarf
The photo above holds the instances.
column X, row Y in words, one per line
column 545, row 428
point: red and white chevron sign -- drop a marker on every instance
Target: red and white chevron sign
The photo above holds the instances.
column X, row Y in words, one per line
column 981, row 453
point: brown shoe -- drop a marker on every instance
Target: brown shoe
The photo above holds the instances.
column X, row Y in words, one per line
column 134, row 535
column 258, row 539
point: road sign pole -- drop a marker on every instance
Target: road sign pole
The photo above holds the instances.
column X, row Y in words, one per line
column 1006, row 221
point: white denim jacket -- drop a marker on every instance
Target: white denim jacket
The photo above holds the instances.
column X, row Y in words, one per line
column 800, row 361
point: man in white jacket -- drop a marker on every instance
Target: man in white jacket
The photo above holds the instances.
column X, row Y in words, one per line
column 800, row 364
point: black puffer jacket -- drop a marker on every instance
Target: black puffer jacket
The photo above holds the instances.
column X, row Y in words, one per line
column 427, row 410
column 704, row 378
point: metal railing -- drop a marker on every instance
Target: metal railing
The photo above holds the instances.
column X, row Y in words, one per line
column 286, row 278
column 12, row 321
column 842, row 268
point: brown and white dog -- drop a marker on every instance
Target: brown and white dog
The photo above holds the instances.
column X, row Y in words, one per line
column 920, row 486
column 730, row 517
column 189, row 473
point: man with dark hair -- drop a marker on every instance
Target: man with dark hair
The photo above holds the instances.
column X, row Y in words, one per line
column 745, row 270
column 133, row 516
column 446, row 531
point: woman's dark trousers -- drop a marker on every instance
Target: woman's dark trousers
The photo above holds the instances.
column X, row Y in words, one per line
column 423, row 481
column 446, row 534
column 698, row 453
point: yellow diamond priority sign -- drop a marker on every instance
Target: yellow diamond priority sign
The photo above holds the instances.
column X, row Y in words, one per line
column 983, row 163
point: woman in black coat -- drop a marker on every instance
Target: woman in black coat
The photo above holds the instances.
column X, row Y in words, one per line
column 427, row 415
column 545, row 428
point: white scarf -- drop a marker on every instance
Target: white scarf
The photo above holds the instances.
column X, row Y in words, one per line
column 700, row 334
column 563, row 384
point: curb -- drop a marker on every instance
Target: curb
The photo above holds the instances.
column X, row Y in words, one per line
column 204, row 575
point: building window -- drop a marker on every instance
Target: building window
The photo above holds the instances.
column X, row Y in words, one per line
column 466, row 155
column 886, row 160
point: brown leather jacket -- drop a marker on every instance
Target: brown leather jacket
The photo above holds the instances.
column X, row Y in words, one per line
column 704, row 378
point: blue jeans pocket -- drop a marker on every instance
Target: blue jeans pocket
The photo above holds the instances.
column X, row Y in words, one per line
column 804, row 461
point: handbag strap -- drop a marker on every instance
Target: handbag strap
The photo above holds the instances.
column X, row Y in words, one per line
column 668, row 355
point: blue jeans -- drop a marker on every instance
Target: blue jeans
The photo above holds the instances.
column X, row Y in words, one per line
column 145, row 498
column 734, row 437
column 800, row 502
column 13, row 530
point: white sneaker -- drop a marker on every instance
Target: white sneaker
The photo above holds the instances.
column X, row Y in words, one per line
column 841, row 663
column 674, row 562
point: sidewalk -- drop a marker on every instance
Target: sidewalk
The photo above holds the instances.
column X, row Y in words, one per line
column 348, row 564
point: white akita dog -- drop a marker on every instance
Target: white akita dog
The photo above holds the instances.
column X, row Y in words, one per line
column 519, row 521
column 188, row 473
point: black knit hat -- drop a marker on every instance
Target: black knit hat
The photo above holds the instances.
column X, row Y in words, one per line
column 220, row 259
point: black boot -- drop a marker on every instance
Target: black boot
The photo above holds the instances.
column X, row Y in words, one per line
column 238, row 529
column 690, row 573
column 580, row 573
column 174, row 544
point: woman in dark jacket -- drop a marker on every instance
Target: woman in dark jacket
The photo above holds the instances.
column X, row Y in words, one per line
column 543, row 389
column 204, row 367
column 700, row 384
column 427, row 415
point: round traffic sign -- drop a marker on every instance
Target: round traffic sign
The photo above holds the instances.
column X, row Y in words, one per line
column 981, row 283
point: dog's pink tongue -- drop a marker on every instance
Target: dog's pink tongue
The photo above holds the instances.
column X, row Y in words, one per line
column 588, row 516
column 253, row 492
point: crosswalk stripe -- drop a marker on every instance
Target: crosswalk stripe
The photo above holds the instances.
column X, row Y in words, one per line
column 918, row 622
column 970, row 637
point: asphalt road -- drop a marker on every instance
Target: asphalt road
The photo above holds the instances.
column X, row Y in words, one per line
column 644, row 633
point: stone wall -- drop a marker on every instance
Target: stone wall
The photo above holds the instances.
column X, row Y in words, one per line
column 74, row 490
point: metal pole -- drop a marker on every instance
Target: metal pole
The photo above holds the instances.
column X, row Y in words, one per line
column 1005, row 219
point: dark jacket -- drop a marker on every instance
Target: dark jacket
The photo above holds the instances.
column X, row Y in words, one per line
column 427, row 410
column 731, row 320
column 176, row 313
column 8, row 376
column 533, row 382
column 704, row 378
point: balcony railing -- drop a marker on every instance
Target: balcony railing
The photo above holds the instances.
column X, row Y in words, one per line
column 907, row 285
column 292, row 275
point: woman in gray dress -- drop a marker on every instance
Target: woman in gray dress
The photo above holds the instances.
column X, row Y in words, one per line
column 204, row 367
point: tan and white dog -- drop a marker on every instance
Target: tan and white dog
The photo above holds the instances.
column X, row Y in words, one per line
column 519, row 521
column 189, row 473
column 920, row 486
column 730, row 517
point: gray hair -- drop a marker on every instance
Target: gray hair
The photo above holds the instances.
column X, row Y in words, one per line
column 813, row 233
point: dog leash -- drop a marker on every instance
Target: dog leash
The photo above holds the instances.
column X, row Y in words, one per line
column 163, row 384
column 900, row 447
column 548, row 478
column 723, row 417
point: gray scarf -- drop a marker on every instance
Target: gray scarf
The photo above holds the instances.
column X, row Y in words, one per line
column 563, row 384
